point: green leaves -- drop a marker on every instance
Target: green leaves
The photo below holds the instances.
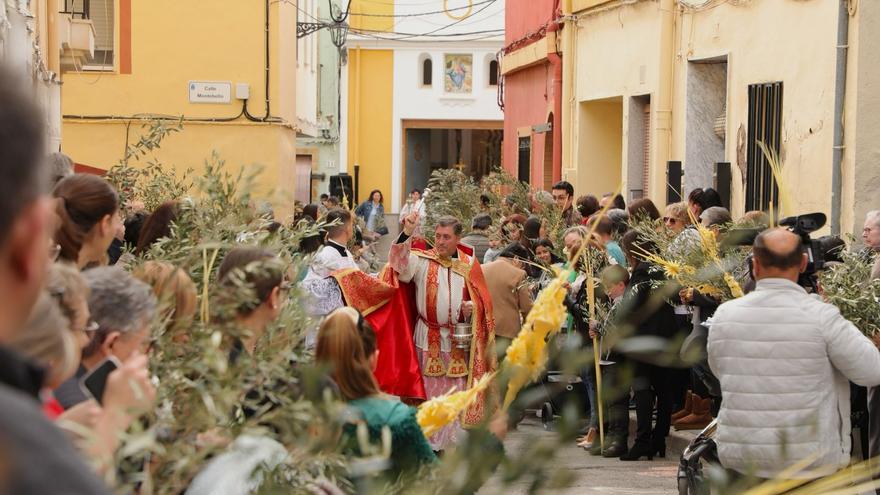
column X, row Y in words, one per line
column 849, row 286
column 151, row 183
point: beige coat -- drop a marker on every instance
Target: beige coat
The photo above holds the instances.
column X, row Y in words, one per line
column 510, row 297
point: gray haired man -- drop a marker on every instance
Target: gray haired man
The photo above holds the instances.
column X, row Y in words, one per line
column 123, row 308
column 871, row 238
column 478, row 239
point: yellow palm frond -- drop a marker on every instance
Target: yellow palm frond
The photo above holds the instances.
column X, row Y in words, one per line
column 786, row 204
column 440, row 411
column 852, row 480
column 526, row 356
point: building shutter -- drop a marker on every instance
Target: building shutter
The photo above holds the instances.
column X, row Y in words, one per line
column 765, row 126
column 102, row 14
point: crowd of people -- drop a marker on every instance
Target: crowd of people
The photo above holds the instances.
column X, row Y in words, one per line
column 76, row 325
column 692, row 374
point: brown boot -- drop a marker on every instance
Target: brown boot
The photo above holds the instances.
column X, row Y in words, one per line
column 688, row 407
column 699, row 418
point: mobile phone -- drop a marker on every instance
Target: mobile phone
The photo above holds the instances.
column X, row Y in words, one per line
column 95, row 381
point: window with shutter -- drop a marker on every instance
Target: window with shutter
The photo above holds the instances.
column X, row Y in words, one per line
column 427, row 72
column 101, row 12
column 493, row 73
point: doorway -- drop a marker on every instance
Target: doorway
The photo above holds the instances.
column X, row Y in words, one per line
column 600, row 146
column 303, row 191
column 524, row 169
column 705, row 121
column 429, row 146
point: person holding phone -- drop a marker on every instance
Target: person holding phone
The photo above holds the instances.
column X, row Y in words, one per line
column 122, row 307
column 112, row 386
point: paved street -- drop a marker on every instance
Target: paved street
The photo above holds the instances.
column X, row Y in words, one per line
column 594, row 474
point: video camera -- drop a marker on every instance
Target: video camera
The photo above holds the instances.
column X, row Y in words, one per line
column 819, row 251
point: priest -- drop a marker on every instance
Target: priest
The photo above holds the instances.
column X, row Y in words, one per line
column 449, row 288
column 334, row 280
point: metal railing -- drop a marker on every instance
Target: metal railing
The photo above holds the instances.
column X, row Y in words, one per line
column 78, row 9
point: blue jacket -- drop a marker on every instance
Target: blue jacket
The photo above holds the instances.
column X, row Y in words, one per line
column 364, row 211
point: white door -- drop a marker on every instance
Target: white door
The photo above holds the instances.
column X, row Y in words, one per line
column 303, row 179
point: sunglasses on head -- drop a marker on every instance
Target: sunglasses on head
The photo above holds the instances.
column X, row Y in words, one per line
column 670, row 220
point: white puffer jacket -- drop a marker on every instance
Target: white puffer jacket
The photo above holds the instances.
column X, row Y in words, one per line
column 783, row 358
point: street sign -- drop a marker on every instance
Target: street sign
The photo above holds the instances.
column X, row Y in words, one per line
column 210, row 92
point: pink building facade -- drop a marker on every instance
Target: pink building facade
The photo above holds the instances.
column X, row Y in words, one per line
column 532, row 92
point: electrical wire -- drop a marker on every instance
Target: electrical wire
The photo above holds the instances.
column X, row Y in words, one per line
column 408, row 4
column 158, row 116
column 469, row 21
column 479, row 38
column 419, row 14
column 473, row 23
column 444, row 35
column 422, row 35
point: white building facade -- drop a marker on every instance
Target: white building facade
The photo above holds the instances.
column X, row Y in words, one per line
column 444, row 108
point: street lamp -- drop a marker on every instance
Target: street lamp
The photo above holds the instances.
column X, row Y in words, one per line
column 338, row 33
column 338, row 28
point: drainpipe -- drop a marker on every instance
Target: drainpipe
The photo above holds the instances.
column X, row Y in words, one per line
column 556, row 61
column 839, row 95
column 662, row 144
column 568, row 97
column 357, row 115
column 53, row 45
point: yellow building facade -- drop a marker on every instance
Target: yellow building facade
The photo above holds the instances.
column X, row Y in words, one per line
column 210, row 63
column 651, row 86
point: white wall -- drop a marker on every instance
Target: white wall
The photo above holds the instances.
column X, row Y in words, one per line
column 412, row 101
column 307, row 72
column 18, row 50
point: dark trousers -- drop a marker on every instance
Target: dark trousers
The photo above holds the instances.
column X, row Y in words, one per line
column 874, row 423
column 649, row 383
column 680, row 378
column 615, row 395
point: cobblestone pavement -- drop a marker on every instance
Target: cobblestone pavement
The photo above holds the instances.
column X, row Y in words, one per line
column 593, row 474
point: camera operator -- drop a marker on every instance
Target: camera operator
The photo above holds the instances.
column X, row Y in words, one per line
column 783, row 358
column 871, row 237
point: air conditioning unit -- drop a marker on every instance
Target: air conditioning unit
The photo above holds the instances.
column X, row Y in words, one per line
column 77, row 38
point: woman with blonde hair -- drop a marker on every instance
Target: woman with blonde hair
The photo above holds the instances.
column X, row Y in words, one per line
column 347, row 344
column 46, row 341
column 70, row 290
column 677, row 217
column 173, row 288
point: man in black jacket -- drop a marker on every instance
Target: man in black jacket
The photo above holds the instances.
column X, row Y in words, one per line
column 37, row 457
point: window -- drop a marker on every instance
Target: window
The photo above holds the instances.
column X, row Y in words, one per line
column 524, row 170
column 765, row 126
column 427, row 72
column 101, row 13
column 493, row 73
